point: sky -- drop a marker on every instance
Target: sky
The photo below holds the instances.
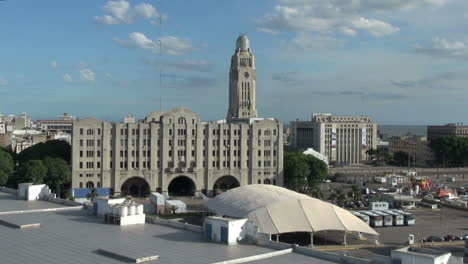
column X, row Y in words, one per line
column 400, row 61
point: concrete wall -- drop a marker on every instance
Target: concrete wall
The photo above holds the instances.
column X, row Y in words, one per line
column 103, row 205
column 8, row 190
column 413, row 257
column 236, row 231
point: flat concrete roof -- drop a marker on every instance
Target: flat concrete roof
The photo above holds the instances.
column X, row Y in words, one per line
column 291, row 258
column 77, row 237
column 9, row 202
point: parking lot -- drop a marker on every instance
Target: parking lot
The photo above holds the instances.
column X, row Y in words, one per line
column 439, row 222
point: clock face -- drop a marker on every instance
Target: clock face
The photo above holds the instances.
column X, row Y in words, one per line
column 246, row 75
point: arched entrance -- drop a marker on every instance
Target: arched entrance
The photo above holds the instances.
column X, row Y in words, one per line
column 136, row 187
column 226, row 183
column 182, row 186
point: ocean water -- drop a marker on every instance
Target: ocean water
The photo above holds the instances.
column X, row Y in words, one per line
column 401, row 130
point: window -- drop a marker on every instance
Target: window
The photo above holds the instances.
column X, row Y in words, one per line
column 81, row 165
column 259, row 163
column 81, row 153
column 81, row 133
column 259, row 153
column 89, row 184
column 98, row 165
column 81, row 142
column 267, row 181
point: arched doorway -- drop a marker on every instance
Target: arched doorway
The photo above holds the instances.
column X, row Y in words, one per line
column 226, row 183
column 90, row 185
column 182, row 186
column 136, row 187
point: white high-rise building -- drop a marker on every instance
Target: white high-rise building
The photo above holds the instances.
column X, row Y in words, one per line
column 343, row 139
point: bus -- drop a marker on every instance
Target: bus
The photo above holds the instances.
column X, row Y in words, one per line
column 387, row 218
column 375, row 219
column 409, row 218
column 398, row 219
column 363, row 217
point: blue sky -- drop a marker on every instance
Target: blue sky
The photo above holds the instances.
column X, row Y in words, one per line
column 401, row 61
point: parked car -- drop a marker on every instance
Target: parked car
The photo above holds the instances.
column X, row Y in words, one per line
column 433, row 239
column 464, row 237
column 452, row 238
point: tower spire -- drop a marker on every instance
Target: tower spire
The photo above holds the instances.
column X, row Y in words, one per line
column 242, row 82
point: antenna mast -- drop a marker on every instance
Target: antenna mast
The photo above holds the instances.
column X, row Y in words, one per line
column 160, row 63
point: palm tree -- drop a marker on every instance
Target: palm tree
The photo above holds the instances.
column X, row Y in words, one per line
column 338, row 197
column 92, row 194
column 356, row 192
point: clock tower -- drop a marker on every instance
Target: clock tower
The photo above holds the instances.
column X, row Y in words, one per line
column 242, row 82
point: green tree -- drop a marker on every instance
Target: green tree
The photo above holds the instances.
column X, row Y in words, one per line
column 304, row 173
column 338, row 197
column 356, row 192
column 450, row 151
column 32, row 171
column 318, row 172
column 6, row 166
column 58, row 176
column 381, row 155
column 296, row 171
column 400, row 158
column 51, row 148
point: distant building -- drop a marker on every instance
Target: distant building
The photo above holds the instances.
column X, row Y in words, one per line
column 176, row 153
column 343, row 139
column 22, row 121
column 129, row 119
column 62, row 124
column 415, row 146
column 452, row 129
column 3, row 128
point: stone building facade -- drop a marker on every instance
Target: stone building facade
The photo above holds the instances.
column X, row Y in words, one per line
column 175, row 152
column 416, row 147
column 452, row 129
column 343, row 139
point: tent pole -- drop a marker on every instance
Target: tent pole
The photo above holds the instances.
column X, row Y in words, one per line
column 311, row 239
column 344, row 239
column 277, row 238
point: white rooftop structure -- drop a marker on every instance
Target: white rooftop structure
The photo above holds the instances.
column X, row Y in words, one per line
column 318, row 155
column 277, row 210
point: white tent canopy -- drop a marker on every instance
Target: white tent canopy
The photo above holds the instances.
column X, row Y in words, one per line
column 277, row 210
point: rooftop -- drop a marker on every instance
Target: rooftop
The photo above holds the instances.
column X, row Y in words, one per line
column 74, row 236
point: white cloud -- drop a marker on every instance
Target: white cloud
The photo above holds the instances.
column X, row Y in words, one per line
column 170, row 45
column 87, row 75
column 121, row 12
column 375, row 27
column 330, row 16
column 67, row 77
column 53, row 64
column 445, row 47
column 108, row 75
